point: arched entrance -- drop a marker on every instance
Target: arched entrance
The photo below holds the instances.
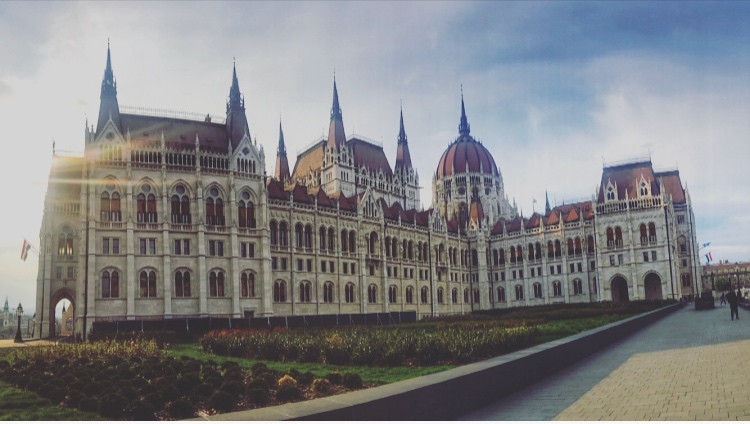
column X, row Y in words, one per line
column 652, row 286
column 619, row 288
column 57, row 325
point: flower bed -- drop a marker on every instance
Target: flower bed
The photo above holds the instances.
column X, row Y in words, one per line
column 382, row 346
column 135, row 381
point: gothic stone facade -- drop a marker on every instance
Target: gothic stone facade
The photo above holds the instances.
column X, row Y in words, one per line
column 166, row 217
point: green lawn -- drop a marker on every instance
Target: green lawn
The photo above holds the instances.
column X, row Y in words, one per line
column 21, row 405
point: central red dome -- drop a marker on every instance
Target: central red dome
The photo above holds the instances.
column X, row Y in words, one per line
column 466, row 154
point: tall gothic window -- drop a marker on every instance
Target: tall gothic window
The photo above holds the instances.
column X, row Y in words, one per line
column 409, row 295
column 501, row 294
column 304, row 291
column 110, row 204
column 214, row 208
column 146, row 205
column 110, row 285
column 424, row 295
column 181, row 283
column 246, row 211
column 328, row 292
column 148, row 283
column 392, row 294
column 247, row 284
column 372, row 293
column 279, row 291
column 180, row 205
column 216, row 284
column 65, row 242
column 274, row 233
column 349, row 293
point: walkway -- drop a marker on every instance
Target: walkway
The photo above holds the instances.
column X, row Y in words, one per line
column 691, row 365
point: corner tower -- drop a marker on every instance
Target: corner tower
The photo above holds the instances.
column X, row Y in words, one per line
column 404, row 171
column 337, row 171
column 281, row 173
column 108, row 106
column 237, row 126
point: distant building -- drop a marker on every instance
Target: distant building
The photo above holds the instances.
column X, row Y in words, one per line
column 731, row 272
column 171, row 216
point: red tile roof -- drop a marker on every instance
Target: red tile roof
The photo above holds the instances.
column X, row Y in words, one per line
column 627, row 177
column 146, row 131
column 276, row 190
column 371, row 156
column 466, row 153
column 299, row 193
column 310, row 159
column 673, row 185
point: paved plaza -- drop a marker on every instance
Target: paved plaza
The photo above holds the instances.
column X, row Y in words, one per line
column 691, row 365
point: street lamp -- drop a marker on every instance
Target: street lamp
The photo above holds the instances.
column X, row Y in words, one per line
column 19, row 312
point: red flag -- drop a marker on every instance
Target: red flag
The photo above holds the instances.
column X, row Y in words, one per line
column 25, row 250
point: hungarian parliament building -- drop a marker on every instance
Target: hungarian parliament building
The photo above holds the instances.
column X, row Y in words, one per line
column 167, row 216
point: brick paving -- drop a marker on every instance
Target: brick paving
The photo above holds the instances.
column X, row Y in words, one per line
column 691, row 365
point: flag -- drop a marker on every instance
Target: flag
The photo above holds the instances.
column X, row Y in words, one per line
column 706, row 244
column 709, row 258
column 25, row 250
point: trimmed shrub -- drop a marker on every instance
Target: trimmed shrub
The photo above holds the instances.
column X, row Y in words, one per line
column 287, row 393
column 4, row 364
column 306, row 378
column 215, row 382
column 147, row 390
column 73, row 399
column 352, row 380
column 170, row 393
column 259, row 383
column 258, row 396
column 221, row 401
column 180, row 408
column 155, row 399
column 111, row 406
column 203, row 391
column 88, row 404
column 57, row 395
column 128, row 392
column 46, row 389
column 321, row 386
column 287, row 381
column 234, row 388
column 34, row 384
column 335, row 377
column 140, row 410
column 256, row 366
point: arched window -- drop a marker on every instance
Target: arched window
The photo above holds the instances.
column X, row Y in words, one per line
column 476, row 296
column 590, row 241
column 502, row 257
column 352, row 242
column 65, row 242
column 180, row 205
column 110, row 285
column 394, row 248
column 246, row 211
column 537, row 290
column 274, row 233
column 424, row 295
column 279, row 291
column 344, row 241
column 328, row 292
column 513, row 254
column 492, row 295
column 454, row 296
column 475, row 257
column 500, row 294
column 387, row 243
column 531, row 251
column 570, row 247
column 440, row 295
column 372, row 293
column 373, row 243
column 557, row 249
column 392, row 292
column 216, row 284
column 181, row 283
column 308, row 237
column 550, row 250
column 110, row 204
column 404, row 249
column 556, row 288
column 298, row 231
column 618, row 236
column 148, row 283
column 519, row 253
column 322, row 238
column 304, row 291
column 577, row 286
column 651, row 232
column 519, row 292
column 466, row 295
column 538, row 251
column 411, row 251
column 247, row 284
column 283, row 234
column 331, row 240
column 214, row 208
column 578, row 250
column 409, row 295
column 644, row 234
column 349, row 293
column 610, row 237
column 146, row 205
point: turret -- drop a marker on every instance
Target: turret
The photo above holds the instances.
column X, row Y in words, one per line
column 108, row 106
column 336, row 136
column 403, row 158
column 463, row 126
column 236, row 120
column 281, row 173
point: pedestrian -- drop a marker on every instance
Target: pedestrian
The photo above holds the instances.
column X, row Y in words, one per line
column 723, row 299
column 732, row 299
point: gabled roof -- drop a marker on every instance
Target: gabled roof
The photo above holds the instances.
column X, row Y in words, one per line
column 311, row 158
column 323, row 200
column 498, row 228
column 514, row 225
column 673, row 185
column 572, row 216
column 276, row 190
column 300, row 195
column 627, row 177
column 146, row 131
column 534, row 221
column 370, row 155
column 348, row 203
column 423, row 218
column 553, row 218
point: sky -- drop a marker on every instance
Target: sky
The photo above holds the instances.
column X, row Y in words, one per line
column 553, row 89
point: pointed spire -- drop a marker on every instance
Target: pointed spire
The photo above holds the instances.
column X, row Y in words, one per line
column 336, row 136
column 281, row 173
column 237, row 126
column 463, row 126
column 547, row 209
column 403, row 158
column 108, row 106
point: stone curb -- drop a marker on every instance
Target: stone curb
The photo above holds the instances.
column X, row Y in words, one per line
column 454, row 393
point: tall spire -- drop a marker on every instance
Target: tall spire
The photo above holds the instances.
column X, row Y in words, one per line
column 463, row 126
column 237, row 125
column 281, row 172
column 547, row 209
column 336, row 136
column 108, row 106
column 403, row 158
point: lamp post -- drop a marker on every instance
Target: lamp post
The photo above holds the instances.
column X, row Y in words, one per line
column 19, row 312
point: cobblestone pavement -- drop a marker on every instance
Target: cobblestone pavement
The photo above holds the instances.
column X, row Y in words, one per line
column 690, row 365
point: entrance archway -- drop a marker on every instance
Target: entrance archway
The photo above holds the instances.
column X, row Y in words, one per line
column 652, row 286
column 62, row 296
column 619, row 288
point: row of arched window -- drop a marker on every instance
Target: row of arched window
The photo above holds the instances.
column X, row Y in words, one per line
column 110, row 206
column 647, row 233
column 515, row 254
column 110, row 284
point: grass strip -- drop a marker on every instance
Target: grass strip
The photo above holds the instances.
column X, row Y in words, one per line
column 21, row 405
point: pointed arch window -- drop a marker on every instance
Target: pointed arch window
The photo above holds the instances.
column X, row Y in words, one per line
column 618, row 236
column 454, row 296
column 409, row 295
column 274, row 227
column 352, row 242
column 644, row 234
column 216, row 284
column 148, row 283
column 181, row 283
column 440, row 295
column 424, row 295
column 322, row 238
column 246, row 211
column 577, row 286
column 537, row 290
column 466, row 295
column 308, row 237
column 180, row 205
column 651, row 232
column 65, row 242
column 392, row 294
column 214, row 208
column 556, row 288
column 247, row 284
column 298, row 235
column 331, row 240
column 328, row 292
column 344, row 239
column 501, row 294
column 283, row 234
column 519, row 292
column 110, row 205
column 110, row 285
column 610, row 237
column 279, row 291
column 349, row 293
column 304, row 291
column 146, row 205
column 372, row 294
